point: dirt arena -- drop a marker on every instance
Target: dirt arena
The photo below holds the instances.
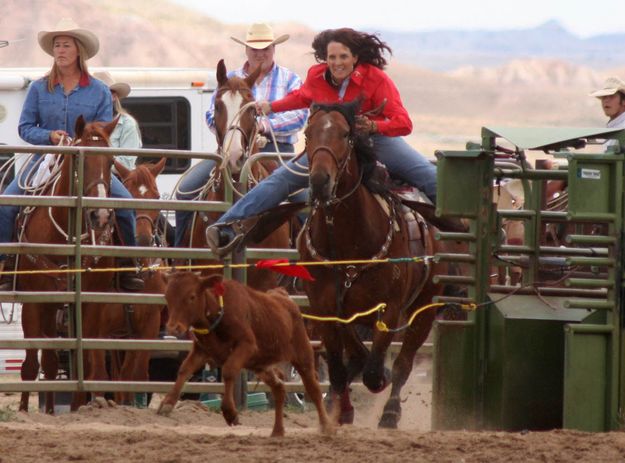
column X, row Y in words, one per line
column 193, row 433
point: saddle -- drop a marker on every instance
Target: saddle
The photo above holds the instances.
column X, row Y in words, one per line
column 380, row 182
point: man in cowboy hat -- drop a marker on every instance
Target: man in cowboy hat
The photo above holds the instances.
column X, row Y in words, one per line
column 273, row 83
column 612, row 97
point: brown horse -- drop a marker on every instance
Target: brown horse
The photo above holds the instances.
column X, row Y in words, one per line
column 130, row 321
column 348, row 222
column 50, row 225
column 236, row 139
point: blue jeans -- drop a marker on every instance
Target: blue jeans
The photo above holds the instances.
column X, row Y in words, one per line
column 401, row 160
column 8, row 214
column 197, row 176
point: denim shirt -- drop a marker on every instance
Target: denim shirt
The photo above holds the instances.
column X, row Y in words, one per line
column 44, row 112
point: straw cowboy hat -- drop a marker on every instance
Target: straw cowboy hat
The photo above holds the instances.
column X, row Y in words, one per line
column 610, row 87
column 259, row 36
column 67, row 26
column 121, row 88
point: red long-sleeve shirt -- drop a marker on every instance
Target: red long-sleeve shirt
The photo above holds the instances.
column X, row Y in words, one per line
column 366, row 80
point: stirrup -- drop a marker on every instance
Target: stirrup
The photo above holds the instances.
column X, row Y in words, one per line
column 214, row 235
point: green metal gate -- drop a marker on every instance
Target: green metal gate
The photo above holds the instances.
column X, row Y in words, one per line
column 541, row 355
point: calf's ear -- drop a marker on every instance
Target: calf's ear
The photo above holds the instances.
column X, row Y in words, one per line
column 209, row 281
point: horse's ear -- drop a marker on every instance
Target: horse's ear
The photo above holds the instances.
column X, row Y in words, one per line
column 79, row 128
column 156, row 169
column 251, row 79
column 121, row 169
column 222, row 74
column 108, row 128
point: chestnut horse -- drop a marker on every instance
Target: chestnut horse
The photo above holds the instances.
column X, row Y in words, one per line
column 236, row 133
column 348, row 222
column 130, row 321
column 50, row 225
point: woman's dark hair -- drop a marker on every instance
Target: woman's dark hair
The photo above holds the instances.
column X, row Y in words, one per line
column 368, row 47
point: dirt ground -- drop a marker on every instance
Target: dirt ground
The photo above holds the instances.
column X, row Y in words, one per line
column 193, row 433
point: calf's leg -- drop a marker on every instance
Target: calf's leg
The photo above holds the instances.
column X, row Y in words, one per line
column 307, row 374
column 272, row 380
column 229, row 372
column 195, row 359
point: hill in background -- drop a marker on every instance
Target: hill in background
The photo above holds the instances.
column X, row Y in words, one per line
column 452, row 82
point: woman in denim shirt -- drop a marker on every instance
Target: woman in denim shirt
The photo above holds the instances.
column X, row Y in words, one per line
column 52, row 105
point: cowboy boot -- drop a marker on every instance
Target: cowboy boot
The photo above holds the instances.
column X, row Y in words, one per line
column 128, row 280
column 222, row 239
column 6, row 280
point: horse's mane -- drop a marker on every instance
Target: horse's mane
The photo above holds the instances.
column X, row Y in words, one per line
column 363, row 146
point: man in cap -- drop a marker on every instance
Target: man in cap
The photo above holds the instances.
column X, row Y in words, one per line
column 273, row 83
column 612, row 97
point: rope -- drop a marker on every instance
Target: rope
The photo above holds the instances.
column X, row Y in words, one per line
column 216, row 266
column 381, row 326
column 378, row 308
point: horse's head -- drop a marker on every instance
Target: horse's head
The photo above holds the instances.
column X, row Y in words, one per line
column 329, row 145
column 235, row 123
column 97, row 174
column 141, row 184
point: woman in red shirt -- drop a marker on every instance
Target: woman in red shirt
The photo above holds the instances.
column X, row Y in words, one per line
column 351, row 66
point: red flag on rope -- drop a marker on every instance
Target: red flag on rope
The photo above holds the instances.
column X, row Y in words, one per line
column 219, row 289
column 293, row 270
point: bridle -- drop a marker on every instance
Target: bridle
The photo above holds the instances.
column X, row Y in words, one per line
column 351, row 273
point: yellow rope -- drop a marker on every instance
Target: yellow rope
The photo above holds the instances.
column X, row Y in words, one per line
column 381, row 326
column 378, row 308
column 203, row 267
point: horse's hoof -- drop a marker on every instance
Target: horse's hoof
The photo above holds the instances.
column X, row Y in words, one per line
column 347, row 416
column 327, row 429
column 389, row 420
column 100, row 402
column 165, row 409
column 277, row 433
column 391, row 414
column 232, row 419
column 379, row 386
column 383, row 385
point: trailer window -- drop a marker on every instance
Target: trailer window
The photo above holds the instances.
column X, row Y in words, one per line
column 165, row 123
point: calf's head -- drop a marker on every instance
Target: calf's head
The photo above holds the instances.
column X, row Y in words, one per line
column 190, row 300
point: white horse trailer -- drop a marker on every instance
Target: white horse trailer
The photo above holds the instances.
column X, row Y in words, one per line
column 170, row 105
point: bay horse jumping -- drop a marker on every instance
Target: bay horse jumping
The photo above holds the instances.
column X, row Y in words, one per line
column 235, row 127
column 131, row 321
column 50, row 225
column 348, row 222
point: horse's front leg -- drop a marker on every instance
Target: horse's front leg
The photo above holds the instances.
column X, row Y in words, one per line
column 374, row 376
column 402, row 366
column 29, row 370
column 339, row 384
column 194, row 360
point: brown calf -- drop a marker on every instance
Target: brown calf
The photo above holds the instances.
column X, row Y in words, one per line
column 244, row 328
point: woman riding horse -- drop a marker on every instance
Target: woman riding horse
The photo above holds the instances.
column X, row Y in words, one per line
column 351, row 67
column 50, row 111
